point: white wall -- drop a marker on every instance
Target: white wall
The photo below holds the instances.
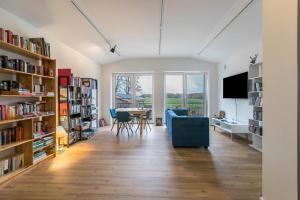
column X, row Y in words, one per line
column 65, row 56
column 237, row 63
column 158, row 66
column 280, row 99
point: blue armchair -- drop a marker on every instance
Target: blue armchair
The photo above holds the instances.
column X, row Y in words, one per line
column 186, row 131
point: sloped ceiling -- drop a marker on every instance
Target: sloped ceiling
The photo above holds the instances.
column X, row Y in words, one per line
column 134, row 26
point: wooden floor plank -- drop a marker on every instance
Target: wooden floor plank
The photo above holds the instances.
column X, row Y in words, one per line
column 143, row 167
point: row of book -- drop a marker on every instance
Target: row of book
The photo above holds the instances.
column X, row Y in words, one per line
column 74, row 93
column 86, row 101
column 258, row 86
column 43, row 142
column 23, row 66
column 73, row 136
column 36, row 45
column 38, row 89
column 256, row 129
column 10, row 87
column 11, row 134
column 86, row 111
column 257, row 115
column 73, row 124
column 256, row 100
column 40, row 126
column 74, row 109
column 24, row 109
column 11, row 164
column 76, row 81
column 39, row 155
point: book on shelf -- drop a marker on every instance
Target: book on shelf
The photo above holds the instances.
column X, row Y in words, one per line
column 24, row 110
column 42, row 142
column 76, row 81
column 63, row 108
column 11, row 164
column 63, row 94
column 22, row 66
column 35, row 45
column 258, row 86
column 11, row 134
column 40, row 128
column 39, row 156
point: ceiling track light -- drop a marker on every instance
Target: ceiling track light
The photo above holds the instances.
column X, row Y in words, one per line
column 224, row 28
column 112, row 47
column 161, row 26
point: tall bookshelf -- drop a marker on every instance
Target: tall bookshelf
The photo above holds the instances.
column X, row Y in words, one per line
column 89, row 112
column 28, row 110
column 255, row 94
column 70, row 108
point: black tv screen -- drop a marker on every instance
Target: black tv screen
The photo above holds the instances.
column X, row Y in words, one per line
column 236, row 86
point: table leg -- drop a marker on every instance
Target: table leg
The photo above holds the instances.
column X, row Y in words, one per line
column 141, row 124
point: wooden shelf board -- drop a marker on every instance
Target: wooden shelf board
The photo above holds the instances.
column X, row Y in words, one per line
column 42, row 148
column 23, row 119
column 10, row 175
column 11, row 71
column 25, row 96
column 21, row 51
column 41, row 160
column 14, row 144
column 48, row 134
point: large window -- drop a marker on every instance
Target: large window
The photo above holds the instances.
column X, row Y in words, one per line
column 186, row 90
column 132, row 90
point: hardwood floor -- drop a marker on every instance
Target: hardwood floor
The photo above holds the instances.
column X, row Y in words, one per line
column 147, row 167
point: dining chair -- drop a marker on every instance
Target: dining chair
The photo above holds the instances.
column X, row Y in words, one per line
column 113, row 114
column 146, row 120
column 124, row 119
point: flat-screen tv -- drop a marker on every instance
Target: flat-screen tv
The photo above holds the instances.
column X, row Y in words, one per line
column 236, row 86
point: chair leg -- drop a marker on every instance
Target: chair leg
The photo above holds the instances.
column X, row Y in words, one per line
column 122, row 127
column 137, row 127
column 126, row 128
column 148, row 125
column 113, row 124
column 130, row 127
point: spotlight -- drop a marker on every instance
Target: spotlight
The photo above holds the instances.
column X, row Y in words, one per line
column 113, row 49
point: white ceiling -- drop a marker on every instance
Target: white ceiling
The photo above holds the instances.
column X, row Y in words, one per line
column 133, row 25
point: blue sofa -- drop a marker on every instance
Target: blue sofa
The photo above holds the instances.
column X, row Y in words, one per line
column 187, row 131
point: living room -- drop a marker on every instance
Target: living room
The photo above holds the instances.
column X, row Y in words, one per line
column 161, row 99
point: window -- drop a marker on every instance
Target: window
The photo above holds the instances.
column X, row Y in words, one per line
column 132, row 91
column 186, row 90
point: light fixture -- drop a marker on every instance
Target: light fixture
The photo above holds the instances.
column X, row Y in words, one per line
column 61, row 135
column 76, row 4
column 113, row 49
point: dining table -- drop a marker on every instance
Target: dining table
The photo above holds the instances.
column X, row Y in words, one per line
column 137, row 112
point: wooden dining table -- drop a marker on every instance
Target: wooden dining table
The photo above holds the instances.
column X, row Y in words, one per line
column 135, row 111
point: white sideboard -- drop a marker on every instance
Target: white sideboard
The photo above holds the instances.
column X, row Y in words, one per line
column 230, row 127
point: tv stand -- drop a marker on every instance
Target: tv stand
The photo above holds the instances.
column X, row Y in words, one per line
column 230, row 127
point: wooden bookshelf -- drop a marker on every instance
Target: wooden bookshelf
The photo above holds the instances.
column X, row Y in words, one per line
column 28, row 80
